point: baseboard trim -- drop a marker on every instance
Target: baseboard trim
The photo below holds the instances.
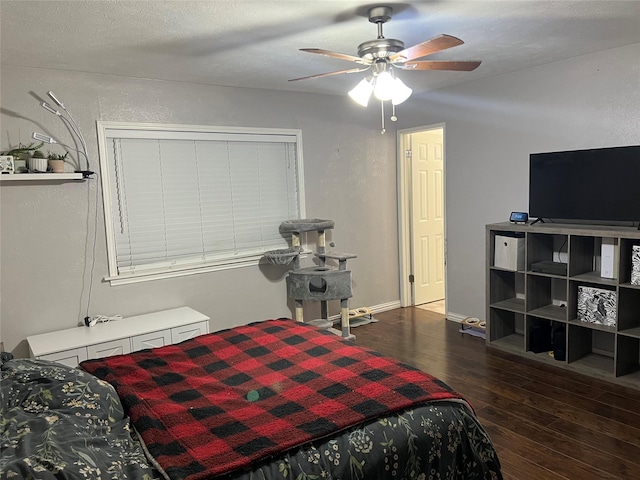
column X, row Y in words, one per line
column 382, row 307
column 456, row 317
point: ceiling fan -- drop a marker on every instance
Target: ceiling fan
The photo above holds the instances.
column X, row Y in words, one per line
column 392, row 52
column 383, row 55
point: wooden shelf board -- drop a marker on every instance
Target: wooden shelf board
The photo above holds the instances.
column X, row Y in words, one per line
column 511, row 304
column 593, row 363
column 39, row 177
column 546, row 358
column 512, row 343
column 547, row 275
column 500, row 269
column 593, row 326
column 630, row 332
column 632, row 378
column 550, row 312
column 594, row 277
column 569, row 229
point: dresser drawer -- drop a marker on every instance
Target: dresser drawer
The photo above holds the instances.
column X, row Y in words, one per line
column 151, row 340
column 109, row 349
column 71, row 358
column 185, row 332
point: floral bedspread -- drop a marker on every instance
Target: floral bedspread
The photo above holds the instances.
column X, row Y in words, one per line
column 60, row 422
column 441, row 440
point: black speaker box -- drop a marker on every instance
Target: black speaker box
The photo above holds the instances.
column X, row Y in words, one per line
column 559, row 343
column 540, row 338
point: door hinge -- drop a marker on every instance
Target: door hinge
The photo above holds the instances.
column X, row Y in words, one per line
column 407, row 154
column 412, row 278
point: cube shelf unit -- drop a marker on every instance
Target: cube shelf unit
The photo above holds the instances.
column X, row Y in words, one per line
column 519, row 300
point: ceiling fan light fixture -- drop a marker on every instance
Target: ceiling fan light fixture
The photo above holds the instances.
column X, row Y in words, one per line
column 400, row 92
column 384, row 86
column 361, row 93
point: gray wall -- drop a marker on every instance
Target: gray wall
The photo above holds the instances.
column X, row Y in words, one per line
column 492, row 126
column 46, row 256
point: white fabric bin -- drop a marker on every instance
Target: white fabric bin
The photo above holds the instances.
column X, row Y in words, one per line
column 509, row 252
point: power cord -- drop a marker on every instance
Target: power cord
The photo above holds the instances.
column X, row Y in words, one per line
column 92, row 321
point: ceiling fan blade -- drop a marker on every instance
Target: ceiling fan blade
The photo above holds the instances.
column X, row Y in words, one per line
column 340, row 56
column 350, row 70
column 436, row 44
column 440, row 65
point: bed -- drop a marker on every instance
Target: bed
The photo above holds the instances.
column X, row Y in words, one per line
column 270, row 400
column 58, row 422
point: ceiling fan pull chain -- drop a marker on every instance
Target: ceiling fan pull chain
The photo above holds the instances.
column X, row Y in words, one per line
column 382, row 109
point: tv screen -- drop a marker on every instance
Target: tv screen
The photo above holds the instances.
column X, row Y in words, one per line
column 599, row 185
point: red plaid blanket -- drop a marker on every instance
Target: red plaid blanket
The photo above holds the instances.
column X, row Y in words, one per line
column 221, row 401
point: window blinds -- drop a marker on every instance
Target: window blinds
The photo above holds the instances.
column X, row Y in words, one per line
column 180, row 200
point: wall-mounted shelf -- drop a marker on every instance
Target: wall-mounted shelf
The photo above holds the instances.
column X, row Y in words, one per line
column 39, row 177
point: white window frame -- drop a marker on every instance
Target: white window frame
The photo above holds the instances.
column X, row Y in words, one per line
column 105, row 131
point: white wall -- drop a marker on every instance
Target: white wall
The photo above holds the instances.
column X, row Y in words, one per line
column 46, row 229
column 492, row 126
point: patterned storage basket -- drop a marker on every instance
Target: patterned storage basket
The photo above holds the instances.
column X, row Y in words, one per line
column 597, row 305
column 635, row 265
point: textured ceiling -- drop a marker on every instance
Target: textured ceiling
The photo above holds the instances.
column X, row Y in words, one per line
column 256, row 43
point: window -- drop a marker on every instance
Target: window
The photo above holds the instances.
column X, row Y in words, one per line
column 180, row 200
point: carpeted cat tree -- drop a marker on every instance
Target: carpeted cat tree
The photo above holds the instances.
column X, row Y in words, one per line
column 321, row 282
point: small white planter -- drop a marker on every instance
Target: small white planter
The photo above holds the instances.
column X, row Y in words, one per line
column 37, row 164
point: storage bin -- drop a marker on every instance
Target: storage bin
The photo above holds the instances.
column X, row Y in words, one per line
column 597, row 305
column 635, row 265
column 509, row 252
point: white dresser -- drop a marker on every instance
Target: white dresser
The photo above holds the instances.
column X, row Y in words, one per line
column 117, row 337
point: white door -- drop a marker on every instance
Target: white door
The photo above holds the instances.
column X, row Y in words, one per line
column 427, row 216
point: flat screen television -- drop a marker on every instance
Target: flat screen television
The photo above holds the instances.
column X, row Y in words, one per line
column 598, row 185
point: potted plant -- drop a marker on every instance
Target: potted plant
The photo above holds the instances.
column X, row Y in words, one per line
column 56, row 162
column 21, row 154
column 37, row 162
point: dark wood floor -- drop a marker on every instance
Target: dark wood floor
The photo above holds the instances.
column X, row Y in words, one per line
column 546, row 422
